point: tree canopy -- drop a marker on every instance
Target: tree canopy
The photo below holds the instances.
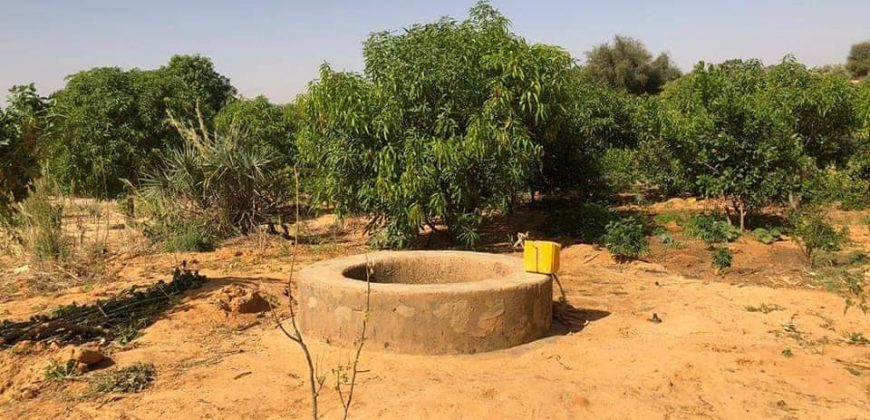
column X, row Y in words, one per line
column 858, row 62
column 111, row 123
column 626, row 64
column 22, row 124
column 441, row 127
column 270, row 126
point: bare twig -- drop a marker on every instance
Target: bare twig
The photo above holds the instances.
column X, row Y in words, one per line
column 360, row 342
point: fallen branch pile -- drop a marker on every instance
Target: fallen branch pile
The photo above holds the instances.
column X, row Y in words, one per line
column 134, row 309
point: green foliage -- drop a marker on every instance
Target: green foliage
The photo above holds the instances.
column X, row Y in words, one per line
column 856, row 292
column 110, row 124
column 678, row 218
column 619, row 170
column 858, row 62
column 837, row 186
column 721, row 258
column 583, row 221
column 728, row 137
column 627, row 65
column 815, row 233
column 190, row 241
column 196, row 83
column 212, row 187
column 660, row 163
column 670, row 242
column 441, row 127
column 99, row 137
column 584, row 146
column 711, row 229
column 129, row 379
column 59, row 371
column 819, row 110
column 625, row 238
column 767, row 236
column 22, row 125
column 857, row 338
column 270, row 126
column 749, row 134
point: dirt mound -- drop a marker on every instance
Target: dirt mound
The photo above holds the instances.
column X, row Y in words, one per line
column 235, row 299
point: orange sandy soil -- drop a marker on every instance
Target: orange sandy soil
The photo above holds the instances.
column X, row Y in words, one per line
column 710, row 357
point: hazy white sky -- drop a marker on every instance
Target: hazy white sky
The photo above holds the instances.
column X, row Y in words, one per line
column 275, row 47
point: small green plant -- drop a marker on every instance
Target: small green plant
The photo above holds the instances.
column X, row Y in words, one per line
column 722, row 258
column 766, row 236
column 124, row 334
column 679, row 219
column 59, row 371
column 130, row 379
column 625, row 238
column 786, row 352
column 858, row 258
column 764, row 308
column 856, row 293
column 191, row 241
column 670, row 242
column 857, row 339
column 711, row 229
column 815, row 233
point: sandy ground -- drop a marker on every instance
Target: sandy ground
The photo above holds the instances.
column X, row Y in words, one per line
column 709, row 358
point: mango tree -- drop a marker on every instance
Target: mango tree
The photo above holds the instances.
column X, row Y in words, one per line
column 444, row 125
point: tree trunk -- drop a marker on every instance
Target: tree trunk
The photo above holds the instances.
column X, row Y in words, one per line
column 742, row 218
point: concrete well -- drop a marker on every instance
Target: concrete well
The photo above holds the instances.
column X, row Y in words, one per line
column 426, row 302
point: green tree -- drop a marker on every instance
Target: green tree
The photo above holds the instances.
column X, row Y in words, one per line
column 442, row 126
column 626, row 64
column 112, row 124
column 196, row 81
column 22, row 125
column 858, row 62
column 592, row 120
column 730, row 138
column 99, row 134
column 270, row 126
column 818, row 108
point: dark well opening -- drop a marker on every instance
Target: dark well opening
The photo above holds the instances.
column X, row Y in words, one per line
column 423, row 270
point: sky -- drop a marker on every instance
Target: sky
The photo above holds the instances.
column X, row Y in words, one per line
column 274, row 48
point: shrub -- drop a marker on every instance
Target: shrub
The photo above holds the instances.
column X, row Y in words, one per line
column 710, row 229
column 722, row 258
column 678, row 218
column 191, row 241
column 766, row 236
column 625, row 238
column 814, row 233
column 214, row 186
column 669, row 241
